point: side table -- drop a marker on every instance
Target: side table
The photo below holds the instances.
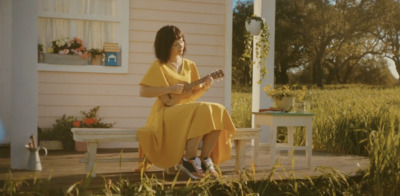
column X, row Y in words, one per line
column 289, row 120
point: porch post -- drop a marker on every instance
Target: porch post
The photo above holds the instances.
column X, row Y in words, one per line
column 265, row 9
column 23, row 111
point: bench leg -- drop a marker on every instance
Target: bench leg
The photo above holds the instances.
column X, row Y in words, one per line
column 91, row 157
column 240, row 148
column 256, row 149
column 170, row 170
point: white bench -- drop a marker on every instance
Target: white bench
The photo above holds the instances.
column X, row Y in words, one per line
column 95, row 135
column 240, row 139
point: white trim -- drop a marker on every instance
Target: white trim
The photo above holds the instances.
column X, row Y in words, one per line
column 83, row 68
column 80, row 17
column 228, row 54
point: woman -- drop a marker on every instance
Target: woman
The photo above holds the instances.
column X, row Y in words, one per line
column 174, row 131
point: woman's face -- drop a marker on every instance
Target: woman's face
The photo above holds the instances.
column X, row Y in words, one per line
column 177, row 47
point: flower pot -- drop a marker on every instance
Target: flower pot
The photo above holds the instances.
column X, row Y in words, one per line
column 286, row 103
column 52, row 144
column 80, row 146
column 64, row 59
column 96, row 60
column 253, row 27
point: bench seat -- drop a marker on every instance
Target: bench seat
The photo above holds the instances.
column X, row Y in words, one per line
column 95, row 135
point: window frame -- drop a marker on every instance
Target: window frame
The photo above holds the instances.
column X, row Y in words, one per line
column 123, row 19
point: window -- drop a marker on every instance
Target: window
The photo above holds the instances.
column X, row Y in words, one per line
column 95, row 22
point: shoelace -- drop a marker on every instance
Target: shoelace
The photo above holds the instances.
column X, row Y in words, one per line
column 209, row 164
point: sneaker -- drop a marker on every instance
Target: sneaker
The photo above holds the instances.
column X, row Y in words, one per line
column 207, row 164
column 192, row 168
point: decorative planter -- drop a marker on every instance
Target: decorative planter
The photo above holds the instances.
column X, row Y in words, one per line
column 96, row 60
column 253, row 27
column 64, row 59
column 286, row 103
column 52, row 145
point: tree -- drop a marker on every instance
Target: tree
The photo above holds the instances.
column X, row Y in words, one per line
column 241, row 72
column 389, row 29
column 289, row 50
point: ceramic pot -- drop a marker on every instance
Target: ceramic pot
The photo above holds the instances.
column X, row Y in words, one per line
column 96, row 60
column 253, row 27
column 286, row 103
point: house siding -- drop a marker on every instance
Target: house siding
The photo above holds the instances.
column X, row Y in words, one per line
column 203, row 23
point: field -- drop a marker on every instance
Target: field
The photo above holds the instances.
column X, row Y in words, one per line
column 350, row 119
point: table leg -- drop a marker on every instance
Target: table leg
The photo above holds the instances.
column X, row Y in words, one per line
column 273, row 143
column 91, row 157
column 290, row 141
column 309, row 144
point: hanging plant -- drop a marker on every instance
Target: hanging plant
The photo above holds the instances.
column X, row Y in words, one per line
column 261, row 47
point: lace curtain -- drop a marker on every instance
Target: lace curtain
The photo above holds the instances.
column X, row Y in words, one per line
column 93, row 21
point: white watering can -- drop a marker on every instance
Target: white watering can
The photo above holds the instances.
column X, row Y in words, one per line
column 34, row 159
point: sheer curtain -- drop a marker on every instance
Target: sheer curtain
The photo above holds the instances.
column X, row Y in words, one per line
column 93, row 21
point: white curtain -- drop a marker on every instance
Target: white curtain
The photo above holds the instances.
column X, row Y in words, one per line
column 93, row 31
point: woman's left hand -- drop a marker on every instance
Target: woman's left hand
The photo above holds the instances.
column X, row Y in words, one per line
column 209, row 81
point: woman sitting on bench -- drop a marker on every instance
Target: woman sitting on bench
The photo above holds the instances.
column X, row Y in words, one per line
column 177, row 124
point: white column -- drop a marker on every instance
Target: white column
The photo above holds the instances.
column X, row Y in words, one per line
column 228, row 55
column 23, row 79
column 265, row 9
column 5, row 67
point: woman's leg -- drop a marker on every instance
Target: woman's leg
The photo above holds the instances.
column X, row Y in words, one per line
column 191, row 147
column 209, row 141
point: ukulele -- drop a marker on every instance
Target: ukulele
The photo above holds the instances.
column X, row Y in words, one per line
column 171, row 99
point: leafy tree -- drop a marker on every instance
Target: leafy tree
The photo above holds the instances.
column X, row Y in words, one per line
column 289, row 50
column 241, row 72
column 389, row 29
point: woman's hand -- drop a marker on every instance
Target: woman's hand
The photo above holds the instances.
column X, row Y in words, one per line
column 209, row 81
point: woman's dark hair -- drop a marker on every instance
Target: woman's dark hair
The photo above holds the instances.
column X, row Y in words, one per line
column 165, row 38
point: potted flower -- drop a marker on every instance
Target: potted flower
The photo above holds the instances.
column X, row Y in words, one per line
column 256, row 26
column 285, row 96
column 61, row 129
column 90, row 120
column 65, row 51
column 96, row 56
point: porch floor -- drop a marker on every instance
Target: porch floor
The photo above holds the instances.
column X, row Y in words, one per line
column 65, row 168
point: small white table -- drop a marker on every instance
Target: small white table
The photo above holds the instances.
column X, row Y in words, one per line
column 289, row 120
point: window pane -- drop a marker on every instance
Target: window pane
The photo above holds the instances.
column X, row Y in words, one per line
column 95, row 33
column 97, row 7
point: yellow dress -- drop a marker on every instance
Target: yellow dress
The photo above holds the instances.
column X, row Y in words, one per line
column 163, row 139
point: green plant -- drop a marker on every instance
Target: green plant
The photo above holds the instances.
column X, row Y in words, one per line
column 261, row 46
column 95, row 51
column 286, row 91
